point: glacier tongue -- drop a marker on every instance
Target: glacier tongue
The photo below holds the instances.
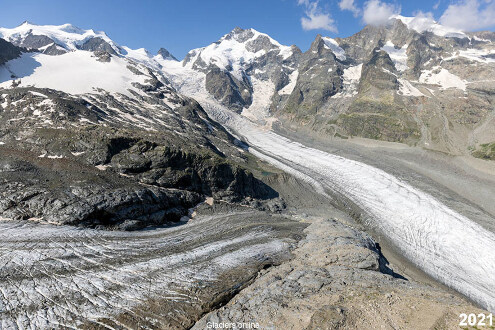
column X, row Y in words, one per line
column 443, row 243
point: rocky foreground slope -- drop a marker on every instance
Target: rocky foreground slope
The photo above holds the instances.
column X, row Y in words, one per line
column 334, row 282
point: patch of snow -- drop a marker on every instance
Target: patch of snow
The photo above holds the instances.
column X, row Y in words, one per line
column 103, row 167
column 86, row 120
column 443, row 78
column 287, row 90
column 350, row 81
column 477, row 55
column 398, row 56
column 78, row 153
column 333, row 45
column 352, row 73
column 389, row 72
column 481, row 39
column 51, row 156
column 407, row 89
column 38, row 94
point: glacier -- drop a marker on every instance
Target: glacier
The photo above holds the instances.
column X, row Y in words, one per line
column 443, row 243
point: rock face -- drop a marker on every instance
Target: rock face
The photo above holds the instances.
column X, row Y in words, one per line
column 8, row 51
column 378, row 112
column 318, row 79
column 337, row 280
column 226, row 88
column 98, row 44
column 165, row 54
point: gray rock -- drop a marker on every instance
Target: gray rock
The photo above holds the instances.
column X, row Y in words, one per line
column 228, row 89
column 36, row 41
column 8, row 51
column 327, row 286
column 97, row 45
column 165, row 54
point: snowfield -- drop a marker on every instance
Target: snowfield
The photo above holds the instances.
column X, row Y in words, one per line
column 443, row 78
column 76, row 72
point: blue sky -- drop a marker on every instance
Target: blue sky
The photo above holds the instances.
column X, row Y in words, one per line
column 182, row 25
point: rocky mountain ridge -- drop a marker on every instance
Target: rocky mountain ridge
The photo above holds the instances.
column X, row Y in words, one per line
column 144, row 154
column 411, row 81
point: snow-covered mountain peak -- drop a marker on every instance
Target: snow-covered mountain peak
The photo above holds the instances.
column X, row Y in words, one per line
column 236, row 51
column 245, row 35
column 427, row 24
column 66, row 36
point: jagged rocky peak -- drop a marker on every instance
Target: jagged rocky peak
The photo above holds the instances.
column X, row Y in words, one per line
column 378, row 74
column 239, row 34
column 166, row 55
column 358, row 46
column 324, row 46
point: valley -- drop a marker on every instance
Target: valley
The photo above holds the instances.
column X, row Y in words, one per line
column 249, row 182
